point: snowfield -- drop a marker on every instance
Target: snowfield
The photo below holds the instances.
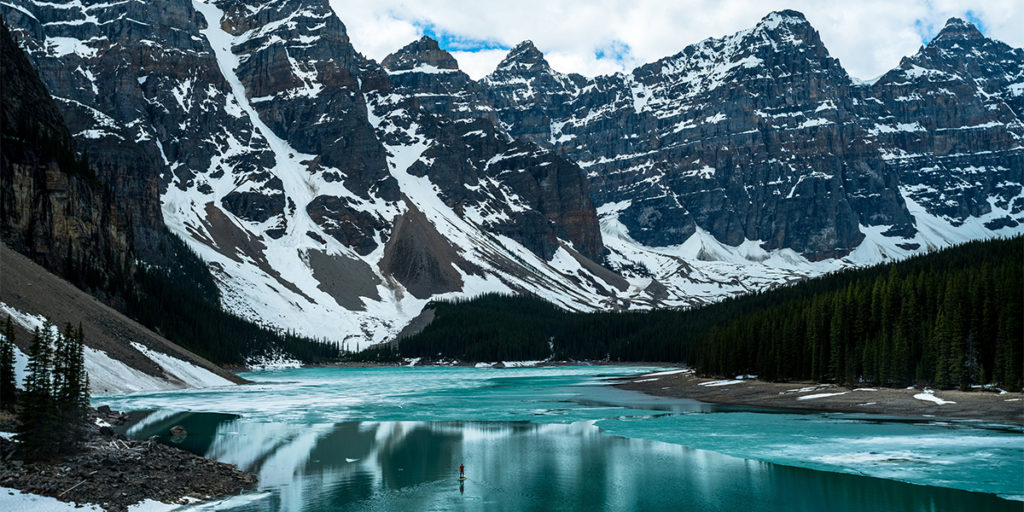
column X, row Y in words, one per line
column 109, row 375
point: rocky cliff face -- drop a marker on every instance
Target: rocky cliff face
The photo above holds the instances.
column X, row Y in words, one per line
column 761, row 135
column 322, row 196
column 511, row 185
column 527, row 94
column 948, row 122
column 335, row 196
column 52, row 207
column 431, row 75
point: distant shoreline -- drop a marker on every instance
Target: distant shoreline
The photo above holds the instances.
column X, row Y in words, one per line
column 461, row 364
column 915, row 402
column 802, row 395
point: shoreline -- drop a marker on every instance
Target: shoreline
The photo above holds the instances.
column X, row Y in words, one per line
column 975, row 405
column 456, row 364
column 116, row 472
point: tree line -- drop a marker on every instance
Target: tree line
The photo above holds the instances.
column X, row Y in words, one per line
column 181, row 302
column 951, row 319
column 948, row 318
column 53, row 409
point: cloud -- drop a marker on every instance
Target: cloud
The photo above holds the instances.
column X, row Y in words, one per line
column 479, row 63
column 595, row 37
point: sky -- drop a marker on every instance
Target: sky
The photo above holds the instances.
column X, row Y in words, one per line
column 595, row 37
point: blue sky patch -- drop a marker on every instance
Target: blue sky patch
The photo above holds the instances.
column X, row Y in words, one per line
column 616, row 50
column 973, row 18
column 457, row 43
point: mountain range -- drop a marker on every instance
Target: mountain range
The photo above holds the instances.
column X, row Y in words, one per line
column 335, row 196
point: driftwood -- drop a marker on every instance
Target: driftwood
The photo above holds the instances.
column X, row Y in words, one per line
column 69, row 488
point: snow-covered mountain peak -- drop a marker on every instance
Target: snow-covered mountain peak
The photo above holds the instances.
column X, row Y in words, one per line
column 523, row 56
column 786, row 30
column 957, row 29
column 422, row 55
column 786, row 19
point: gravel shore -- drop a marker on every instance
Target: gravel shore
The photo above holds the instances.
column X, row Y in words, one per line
column 114, row 472
column 987, row 405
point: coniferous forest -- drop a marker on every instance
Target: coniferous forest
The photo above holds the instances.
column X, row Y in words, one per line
column 182, row 303
column 950, row 319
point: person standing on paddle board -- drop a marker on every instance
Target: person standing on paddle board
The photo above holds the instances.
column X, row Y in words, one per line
column 462, row 471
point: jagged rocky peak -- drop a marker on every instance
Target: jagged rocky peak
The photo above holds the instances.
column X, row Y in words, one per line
column 790, row 27
column 424, row 54
column 523, row 56
column 785, row 18
column 780, row 39
column 524, row 60
column 957, row 29
column 950, row 126
column 523, row 82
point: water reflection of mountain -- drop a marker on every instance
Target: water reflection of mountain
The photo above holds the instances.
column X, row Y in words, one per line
column 526, row 466
column 202, row 427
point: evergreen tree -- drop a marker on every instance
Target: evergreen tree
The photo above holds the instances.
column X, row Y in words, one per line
column 7, row 377
column 71, row 388
column 38, row 430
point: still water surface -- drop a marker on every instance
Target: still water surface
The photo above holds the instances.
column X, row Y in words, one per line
column 558, row 439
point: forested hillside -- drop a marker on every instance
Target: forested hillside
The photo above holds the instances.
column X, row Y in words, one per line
column 950, row 318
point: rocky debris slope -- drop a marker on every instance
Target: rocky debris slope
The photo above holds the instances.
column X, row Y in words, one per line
column 116, row 472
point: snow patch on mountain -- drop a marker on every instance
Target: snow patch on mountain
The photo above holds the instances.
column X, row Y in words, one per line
column 109, row 375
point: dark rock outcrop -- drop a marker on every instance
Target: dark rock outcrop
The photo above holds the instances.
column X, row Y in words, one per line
column 52, row 207
column 527, row 94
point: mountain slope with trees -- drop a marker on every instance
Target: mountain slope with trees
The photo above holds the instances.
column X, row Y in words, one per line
column 949, row 318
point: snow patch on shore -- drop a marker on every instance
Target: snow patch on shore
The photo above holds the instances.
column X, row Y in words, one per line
column 929, row 396
column 13, row 500
column 716, row 383
column 520, row 364
column 109, row 375
column 273, row 361
column 820, row 395
column 668, row 372
column 190, row 374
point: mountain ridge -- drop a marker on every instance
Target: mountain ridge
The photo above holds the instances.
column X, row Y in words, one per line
column 333, row 196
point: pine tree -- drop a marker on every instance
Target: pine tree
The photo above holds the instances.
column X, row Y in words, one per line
column 7, row 377
column 38, row 433
column 837, row 345
column 69, row 378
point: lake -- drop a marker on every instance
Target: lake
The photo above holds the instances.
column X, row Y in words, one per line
column 561, row 439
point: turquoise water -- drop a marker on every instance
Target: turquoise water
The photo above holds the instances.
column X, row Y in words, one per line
column 558, row 439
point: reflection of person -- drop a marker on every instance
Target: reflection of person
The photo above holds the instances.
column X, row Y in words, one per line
column 462, row 471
